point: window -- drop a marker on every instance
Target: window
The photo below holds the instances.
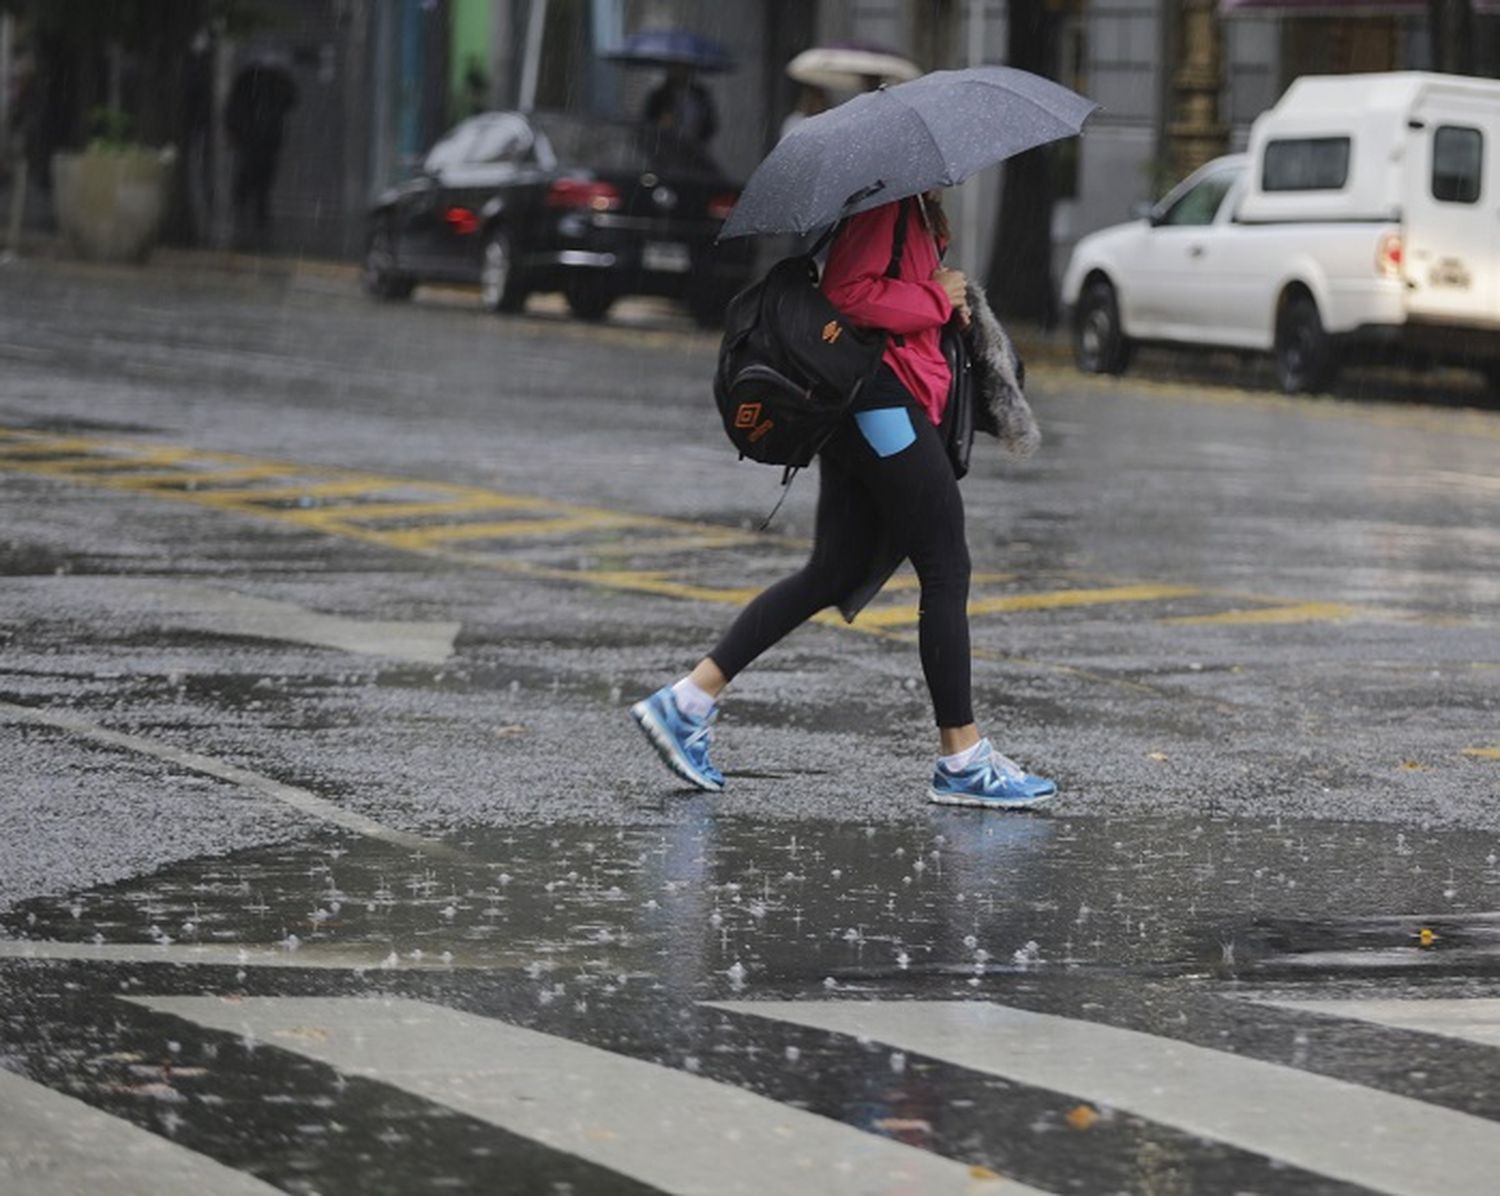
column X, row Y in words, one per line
column 1198, row 205
column 1457, row 163
column 500, row 139
column 451, row 150
column 1306, row 164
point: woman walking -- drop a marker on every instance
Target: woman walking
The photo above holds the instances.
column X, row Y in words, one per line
column 887, row 492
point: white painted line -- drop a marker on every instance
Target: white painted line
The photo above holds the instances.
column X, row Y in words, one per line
column 299, row 799
column 1387, row 1143
column 227, row 612
column 219, row 954
column 1475, row 1019
column 262, row 618
column 54, row 1145
column 665, row 1127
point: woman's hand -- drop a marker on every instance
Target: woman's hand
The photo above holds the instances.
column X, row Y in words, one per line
column 955, row 286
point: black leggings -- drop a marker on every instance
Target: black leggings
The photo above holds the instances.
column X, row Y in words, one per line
column 911, row 497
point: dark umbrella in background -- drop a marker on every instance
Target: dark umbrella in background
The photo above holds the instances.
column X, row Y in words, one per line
column 885, row 145
column 671, row 47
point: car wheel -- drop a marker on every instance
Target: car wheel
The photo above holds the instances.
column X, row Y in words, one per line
column 1305, row 359
column 589, row 301
column 500, row 287
column 381, row 279
column 1100, row 345
column 1491, row 374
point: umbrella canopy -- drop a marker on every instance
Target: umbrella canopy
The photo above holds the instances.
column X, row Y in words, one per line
column 841, row 67
column 885, row 145
column 672, row 47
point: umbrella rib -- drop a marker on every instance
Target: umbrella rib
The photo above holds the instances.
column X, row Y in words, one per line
column 930, row 135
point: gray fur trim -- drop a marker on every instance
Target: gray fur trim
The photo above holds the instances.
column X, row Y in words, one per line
column 1001, row 408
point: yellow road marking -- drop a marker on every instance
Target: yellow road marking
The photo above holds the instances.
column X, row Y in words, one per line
column 339, row 489
column 510, row 529
column 168, row 478
column 1484, row 753
column 95, row 464
column 896, row 616
column 1300, row 612
column 363, row 512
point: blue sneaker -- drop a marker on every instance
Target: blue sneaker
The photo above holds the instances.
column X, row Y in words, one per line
column 990, row 780
column 679, row 739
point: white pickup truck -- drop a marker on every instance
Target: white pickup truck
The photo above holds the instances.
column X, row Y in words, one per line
column 1365, row 212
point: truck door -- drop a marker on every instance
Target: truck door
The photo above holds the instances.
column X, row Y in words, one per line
column 1172, row 277
column 1452, row 211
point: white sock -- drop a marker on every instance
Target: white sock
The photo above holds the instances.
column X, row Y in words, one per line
column 692, row 699
column 961, row 760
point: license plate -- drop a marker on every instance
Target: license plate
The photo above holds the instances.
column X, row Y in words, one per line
column 666, row 257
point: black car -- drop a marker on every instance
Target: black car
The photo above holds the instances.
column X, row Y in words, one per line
column 543, row 201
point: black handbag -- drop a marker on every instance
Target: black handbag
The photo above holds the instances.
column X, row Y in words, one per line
column 957, row 426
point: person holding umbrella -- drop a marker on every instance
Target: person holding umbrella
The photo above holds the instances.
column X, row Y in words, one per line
column 887, row 491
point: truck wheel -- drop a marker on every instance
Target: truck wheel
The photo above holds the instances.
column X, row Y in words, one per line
column 380, row 278
column 1100, row 346
column 500, row 287
column 1305, row 358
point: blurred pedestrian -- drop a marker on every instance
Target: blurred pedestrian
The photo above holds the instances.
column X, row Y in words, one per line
column 887, row 492
column 811, row 100
column 260, row 99
column 682, row 106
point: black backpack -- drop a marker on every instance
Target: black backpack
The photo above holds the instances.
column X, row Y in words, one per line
column 791, row 364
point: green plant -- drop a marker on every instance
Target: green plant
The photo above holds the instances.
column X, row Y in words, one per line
column 110, row 130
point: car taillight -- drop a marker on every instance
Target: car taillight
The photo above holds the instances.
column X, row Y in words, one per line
column 1390, row 254
column 462, row 221
column 720, row 206
column 583, row 193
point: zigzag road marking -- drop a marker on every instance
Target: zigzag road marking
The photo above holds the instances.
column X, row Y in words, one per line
column 112, row 464
column 669, row 1128
column 53, row 1145
column 1388, row 1143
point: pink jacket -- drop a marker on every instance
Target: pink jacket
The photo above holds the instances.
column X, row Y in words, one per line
column 912, row 305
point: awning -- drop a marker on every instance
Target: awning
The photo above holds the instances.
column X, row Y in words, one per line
column 1338, row 8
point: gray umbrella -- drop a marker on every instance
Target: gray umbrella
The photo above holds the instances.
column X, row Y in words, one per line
column 898, row 141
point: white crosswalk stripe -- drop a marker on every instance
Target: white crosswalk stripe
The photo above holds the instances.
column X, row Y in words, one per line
column 53, row 1145
column 677, row 1131
column 1473, row 1019
column 1385, row 1142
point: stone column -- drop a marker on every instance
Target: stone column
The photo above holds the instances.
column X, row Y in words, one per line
column 1195, row 133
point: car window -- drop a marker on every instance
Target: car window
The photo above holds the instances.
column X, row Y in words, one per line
column 1198, row 204
column 451, row 150
column 1305, row 164
column 1457, row 163
column 499, row 139
column 618, row 146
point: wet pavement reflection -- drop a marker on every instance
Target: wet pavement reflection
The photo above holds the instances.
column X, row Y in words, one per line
column 619, row 938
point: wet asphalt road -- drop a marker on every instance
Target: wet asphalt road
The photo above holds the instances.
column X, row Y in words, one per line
column 319, row 623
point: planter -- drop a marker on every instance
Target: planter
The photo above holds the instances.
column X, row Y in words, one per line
column 109, row 203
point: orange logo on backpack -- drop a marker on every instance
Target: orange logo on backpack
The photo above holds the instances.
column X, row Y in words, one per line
column 747, row 415
column 761, row 430
column 832, row 331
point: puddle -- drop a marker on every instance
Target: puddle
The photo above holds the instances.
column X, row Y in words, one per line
column 704, row 904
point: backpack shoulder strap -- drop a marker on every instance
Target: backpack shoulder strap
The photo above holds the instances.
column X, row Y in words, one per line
column 898, row 240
